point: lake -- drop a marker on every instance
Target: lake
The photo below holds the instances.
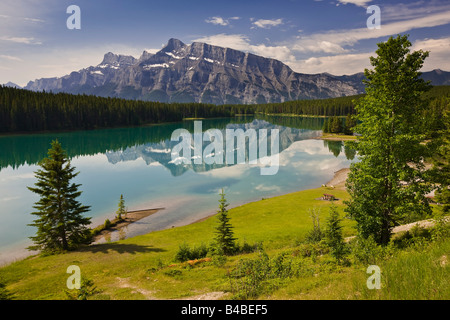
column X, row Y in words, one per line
column 137, row 163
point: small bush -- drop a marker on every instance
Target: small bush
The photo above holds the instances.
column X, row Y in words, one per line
column 262, row 275
column 248, row 248
column 185, row 252
column 107, row 224
column 173, row 273
column 416, row 236
column 366, row 250
column 441, row 228
column 316, row 234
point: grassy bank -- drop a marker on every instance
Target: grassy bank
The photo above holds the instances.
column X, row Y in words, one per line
column 143, row 267
column 337, row 137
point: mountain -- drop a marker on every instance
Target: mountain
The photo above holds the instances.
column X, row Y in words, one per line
column 437, row 77
column 12, row 84
column 198, row 72
column 161, row 152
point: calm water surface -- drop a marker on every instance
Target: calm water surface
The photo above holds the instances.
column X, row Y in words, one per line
column 136, row 162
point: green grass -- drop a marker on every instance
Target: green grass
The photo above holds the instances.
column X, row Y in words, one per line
column 337, row 136
column 143, row 267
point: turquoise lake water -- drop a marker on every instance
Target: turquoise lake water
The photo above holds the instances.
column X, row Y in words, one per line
column 137, row 163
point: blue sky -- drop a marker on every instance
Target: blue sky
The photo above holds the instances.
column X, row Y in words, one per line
column 311, row 36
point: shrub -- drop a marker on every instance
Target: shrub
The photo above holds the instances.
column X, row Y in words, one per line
column 316, row 234
column 186, row 253
column 416, row 236
column 86, row 290
column 107, row 224
column 261, row 275
column 366, row 250
column 441, row 228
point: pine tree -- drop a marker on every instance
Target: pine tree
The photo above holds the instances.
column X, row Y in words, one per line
column 225, row 240
column 333, row 234
column 335, row 125
column 60, row 223
column 121, row 208
column 325, row 127
column 349, row 124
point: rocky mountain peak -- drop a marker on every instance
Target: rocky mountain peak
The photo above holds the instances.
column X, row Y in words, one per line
column 173, row 45
column 117, row 59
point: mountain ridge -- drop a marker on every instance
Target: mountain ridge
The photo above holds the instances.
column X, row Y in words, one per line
column 200, row 72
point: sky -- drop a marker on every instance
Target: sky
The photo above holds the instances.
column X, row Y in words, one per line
column 310, row 36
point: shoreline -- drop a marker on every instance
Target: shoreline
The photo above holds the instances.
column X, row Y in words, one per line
column 337, row 181
column 130, row 217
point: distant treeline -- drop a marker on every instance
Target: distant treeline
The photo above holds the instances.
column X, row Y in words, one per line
column 28, row 111
column 324, row 107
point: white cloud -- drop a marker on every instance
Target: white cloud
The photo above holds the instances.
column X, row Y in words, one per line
column 34, row 20
column 334, row 41
column 24, row 40
column 336, row 65
column 12, row 58
column 359, row 3
column 233, row 41
column 242, row 43
column 356, row 62
column 218, row 21
column 439, row 51
column 411, row 10
column 267, row 23
column 221, row 21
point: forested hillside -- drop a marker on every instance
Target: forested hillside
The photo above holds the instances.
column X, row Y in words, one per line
column 27, row 111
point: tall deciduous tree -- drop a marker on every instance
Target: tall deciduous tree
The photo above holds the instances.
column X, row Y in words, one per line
column 60, row 223
column 389, row 184
column 225, row 240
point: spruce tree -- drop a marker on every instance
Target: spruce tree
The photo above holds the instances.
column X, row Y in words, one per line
column 60, row 222
column 389, row 183
column 225, row 240
column 333, row 234
column 349, row 124
column 121, row 208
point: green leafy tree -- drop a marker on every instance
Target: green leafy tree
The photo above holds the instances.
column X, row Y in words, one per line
column 121, row 211
column 60, row 223
column 224, row 240
column 333, row 235
column 389, row 184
